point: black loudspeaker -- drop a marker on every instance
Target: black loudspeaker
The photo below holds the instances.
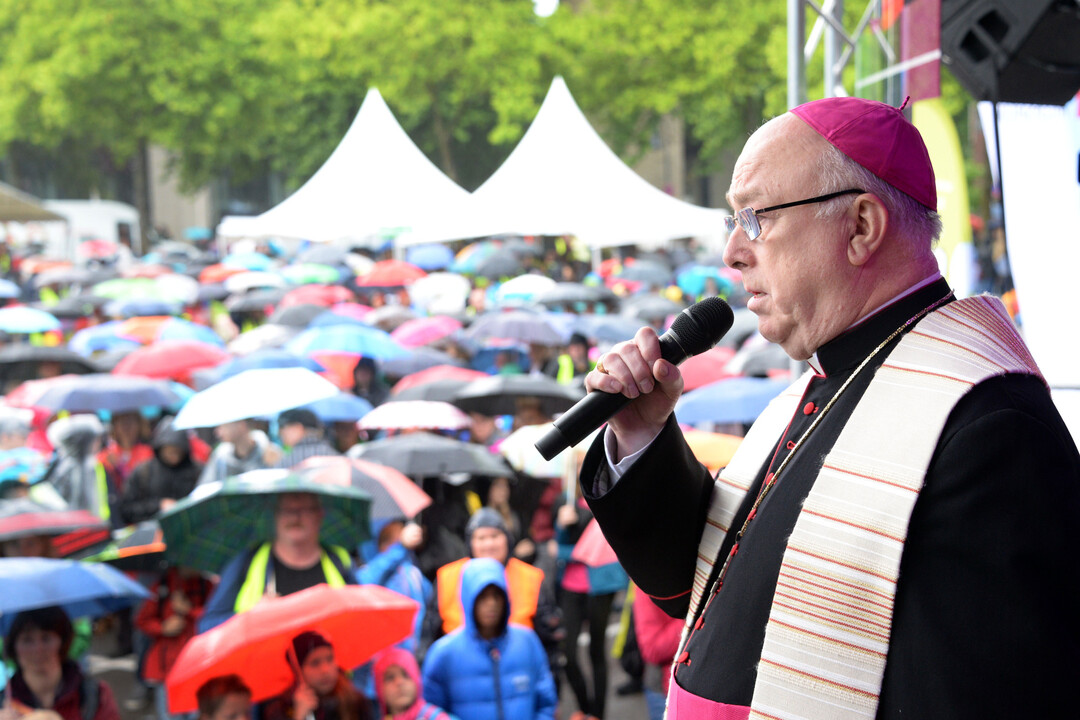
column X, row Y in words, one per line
column 1023, row 51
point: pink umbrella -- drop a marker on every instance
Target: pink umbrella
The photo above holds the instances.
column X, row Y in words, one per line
column 350, row 309
column 424, row 331
column 435, row 374
column 325, row 295
column 706, row 368
column 415, row 414
column 173, row 359
column 390, row 273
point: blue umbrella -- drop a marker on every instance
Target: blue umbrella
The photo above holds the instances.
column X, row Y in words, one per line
column 739, row 399
column 429, row 257
column 140, row 307
column 179, row 329
column 350, row 339
column 82, row 589
column 329, row 317
column 343, row 407
column 248, row 261
column 691, row 280
column 27, row 320
column 100, row 338
column 102, row 391
column 268, row 358
column 9, row 289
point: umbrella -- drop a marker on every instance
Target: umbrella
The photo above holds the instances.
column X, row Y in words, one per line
column 311, row 274
column 650, row 307
column 418, row 359
column 518, row 325
column 705, row 368
column 421, row 454
column 519, row 449
column 21, row 319
column 389, row 317
column 247, row 261
column 99, row 249
column 128, row 288
column 502, row 263
column 349, row 339
column 297, row 316
column 219, row 519
column 713, row 450
column 9, row 289
column 21, row 362
column 164, row 327
column 81, row 589
column 77, row 306
column 390, row 273
column 353, row 310
column 470, row 256
column 253, row 393
column 500, row 395
column 360, row 620
column 604, row 573
column 393, row 495
column 70, row 530
column 332, row 317
column 692, row 280
column 94, row 392
column 262, row 338
column 523, row 289
column 140, row 307
column 436, row 390
column 569, row 293
column 441, row 292
column 253, row 280
column 262, row 300
column 424, row 331
column 136, row 548
column 323, row 255
column 738, row 399
column 647, row 272
column 173, row 359
column 147, row 270
column 429, row 257
column 415, row 414
column 451, row 373
column 343, row 407
column 315, row 294
column 609, row 328
column 268, row 358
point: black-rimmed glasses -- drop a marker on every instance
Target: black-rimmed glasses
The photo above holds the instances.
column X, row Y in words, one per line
column 748, row 221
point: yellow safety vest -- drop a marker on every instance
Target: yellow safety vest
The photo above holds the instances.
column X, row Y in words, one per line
column 254, row 586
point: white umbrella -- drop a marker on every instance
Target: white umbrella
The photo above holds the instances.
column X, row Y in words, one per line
column 522, row 289
column 242, row 282
column 265, row 336
column 440, row 293
column 253, row 393
column 519, row 449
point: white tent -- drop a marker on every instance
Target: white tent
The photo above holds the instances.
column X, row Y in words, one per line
column 562, row 178
column 376, row 183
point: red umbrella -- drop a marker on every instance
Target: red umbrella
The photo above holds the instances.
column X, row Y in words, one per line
column 218, row 273
column 434, row 374
column 359, row 620
column 174, row 359
column 390, row 273
column 424, row 331
column 706, row 368
column 393, row 494
column 325, row 295
column 351, row 309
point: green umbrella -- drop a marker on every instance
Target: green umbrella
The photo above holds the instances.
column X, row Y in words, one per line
column 130, row 288
column 310, row 273
column 220, row 519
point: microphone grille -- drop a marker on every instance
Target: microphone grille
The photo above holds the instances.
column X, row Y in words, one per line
column 701, row 325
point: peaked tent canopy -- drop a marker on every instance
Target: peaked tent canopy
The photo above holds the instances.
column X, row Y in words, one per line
column 17, row 206
column 563, row 179
column 375, row 183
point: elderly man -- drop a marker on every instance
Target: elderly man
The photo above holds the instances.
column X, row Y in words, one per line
column 293, row 561
column 897, row 536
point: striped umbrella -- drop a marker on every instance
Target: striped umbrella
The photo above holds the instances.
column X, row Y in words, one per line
column 393, row 495
column 220, row 519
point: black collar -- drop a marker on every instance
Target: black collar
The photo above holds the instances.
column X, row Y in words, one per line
column 844, row 352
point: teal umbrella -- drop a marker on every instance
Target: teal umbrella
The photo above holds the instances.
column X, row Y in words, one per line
column 220, row 519
column 310, row 273
column 20, row 319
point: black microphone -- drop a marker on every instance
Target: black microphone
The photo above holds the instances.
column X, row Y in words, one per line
column 695, row 330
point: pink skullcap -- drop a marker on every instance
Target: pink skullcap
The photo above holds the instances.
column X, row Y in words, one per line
column 878, row 137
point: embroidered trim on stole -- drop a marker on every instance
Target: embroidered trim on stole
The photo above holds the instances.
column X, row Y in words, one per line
column 829, row 625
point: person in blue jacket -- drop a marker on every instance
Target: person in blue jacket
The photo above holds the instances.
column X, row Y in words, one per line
column 488, row 668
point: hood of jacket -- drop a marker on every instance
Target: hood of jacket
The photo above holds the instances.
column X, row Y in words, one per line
column 407, row 662
column 477, row 575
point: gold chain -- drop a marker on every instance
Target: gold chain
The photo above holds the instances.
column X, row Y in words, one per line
column 771, row 479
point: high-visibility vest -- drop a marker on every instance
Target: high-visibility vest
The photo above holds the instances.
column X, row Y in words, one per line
column 254, row 586
column 522, row 582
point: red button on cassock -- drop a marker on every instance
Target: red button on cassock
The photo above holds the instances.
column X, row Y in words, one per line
column 809, row 408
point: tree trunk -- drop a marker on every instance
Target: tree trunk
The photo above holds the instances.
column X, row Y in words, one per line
column 141, row 179
column 442, row 137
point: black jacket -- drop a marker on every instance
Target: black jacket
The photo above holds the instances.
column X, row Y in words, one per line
column 153, row 481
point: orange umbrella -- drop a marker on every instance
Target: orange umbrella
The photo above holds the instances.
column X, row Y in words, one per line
column 218, row 273
column 390, row 273
column 340, row 368
column 147, row 271
column 438, row 372
column 174, row 359
column 713, row 450
column 359, row 620
column 143, row 329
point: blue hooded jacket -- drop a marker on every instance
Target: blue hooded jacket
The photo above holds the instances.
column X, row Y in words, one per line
column 506, row 678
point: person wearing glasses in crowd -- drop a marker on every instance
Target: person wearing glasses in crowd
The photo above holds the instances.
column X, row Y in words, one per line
column 898, row 534
column 293, row 561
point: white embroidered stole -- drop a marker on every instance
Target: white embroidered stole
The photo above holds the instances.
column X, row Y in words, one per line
column 829, row 624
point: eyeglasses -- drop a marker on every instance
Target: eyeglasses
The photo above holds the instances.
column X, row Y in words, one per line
column 747, row 217
column 299, row 511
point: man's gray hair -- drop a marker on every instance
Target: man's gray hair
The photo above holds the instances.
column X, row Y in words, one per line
column 910, row 218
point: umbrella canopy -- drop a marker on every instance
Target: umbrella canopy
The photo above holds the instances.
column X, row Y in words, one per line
column 523, row 289
column 81, row 589
column 390, row 273
column 424, row 331
column 262, row 300
column 220, row 519
column 254, row 280
column 140, row 307
column 263, row 337
column 94, row 392
column 359, row 620
column 647, row 272
column 389, row 317
column 136, row 548
column 705, row 368
column 415, row 415
column 713, row 450
column 343, row 407
column 268, row 358
column 421, row 454
column 219, row 273
column 501, row 395
column 74, row 306
column 151, row 329
column 438, row 372
column 323, row 255
column 297, row 316
column 316, row 294
column 21, row 320
column 434, row 391
column 738, row 399
column 518, row 325
column 429, row 257
column 469, row 257
column 569, row 293
column 519, row 449
column 651, row 308
column 100, row 338
column 247, row 261
column 441, row 292
column 70, row 530
column 311, row 274
column 604, row 573
column 333, row 317
column 501, row 263
column 349, row 339
column 173, row 359
column 393, row 495
column 23, row 362
column 692, row 280
column 253, row 393
column 418, row 359
column 9, row 289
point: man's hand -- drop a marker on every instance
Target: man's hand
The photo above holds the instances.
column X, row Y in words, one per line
column 635, row 369
column 412, row 536
column 173, row 625
column 305, row 701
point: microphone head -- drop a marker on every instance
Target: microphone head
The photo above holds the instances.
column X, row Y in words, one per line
column 701, row 325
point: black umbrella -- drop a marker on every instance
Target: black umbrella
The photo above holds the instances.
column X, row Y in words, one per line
column 422, row 454
column 417, row 360
column 650, row 273
column 501, row 263
column 323, row 255
column 137, row 548
column 566, row 293
column 436, row 391
column 650, row 307
column 255, row 300
column 76, row 306
column 22, row 362
column 501, row 395
column 520, row 325
column 297, row 315
column 744, row 325
column 212, row 291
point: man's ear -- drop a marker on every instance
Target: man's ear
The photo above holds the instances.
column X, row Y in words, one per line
column 871, row 226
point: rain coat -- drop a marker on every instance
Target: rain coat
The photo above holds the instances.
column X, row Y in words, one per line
column 506, row 678
column 421, row 709
column 154, row 480
column 75, row 472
